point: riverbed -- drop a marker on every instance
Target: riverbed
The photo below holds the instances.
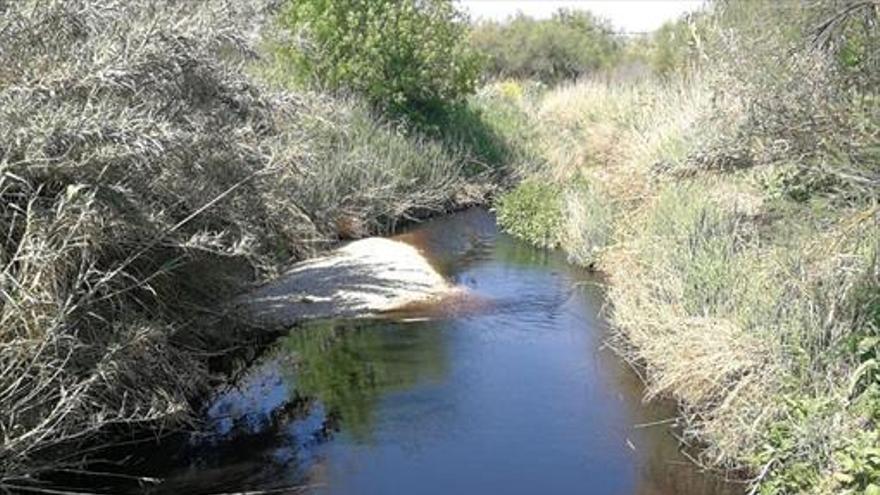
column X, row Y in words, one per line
column 506, row 388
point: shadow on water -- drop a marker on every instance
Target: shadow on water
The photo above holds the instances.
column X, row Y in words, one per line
column 516, row 395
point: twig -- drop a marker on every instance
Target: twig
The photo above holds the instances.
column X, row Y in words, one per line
column 104, row 474
column 656, row 423
column 757, row 480
column 34, row 489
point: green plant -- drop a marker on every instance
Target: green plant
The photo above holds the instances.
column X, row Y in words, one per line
column 571, row 44
column 858, row 465
column 533, row 211
column 407, row 57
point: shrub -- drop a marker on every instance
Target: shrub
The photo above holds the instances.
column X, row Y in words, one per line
column 776, row 105
column 408, row 57
column 570, row 45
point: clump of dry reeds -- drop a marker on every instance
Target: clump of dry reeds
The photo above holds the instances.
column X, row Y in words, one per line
column 145, row 177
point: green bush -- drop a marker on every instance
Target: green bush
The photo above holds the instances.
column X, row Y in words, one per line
column 407, row 57
column 533, row 212
column 569, row 45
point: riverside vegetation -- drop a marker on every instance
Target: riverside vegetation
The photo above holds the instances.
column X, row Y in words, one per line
column 731, row 197
column 157, row 158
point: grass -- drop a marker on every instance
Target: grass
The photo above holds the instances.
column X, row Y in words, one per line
column 734, row 211
column 153, row 164
column 148, row 173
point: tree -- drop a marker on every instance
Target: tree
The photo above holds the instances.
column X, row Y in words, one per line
column 405, row 56
column 572, row 44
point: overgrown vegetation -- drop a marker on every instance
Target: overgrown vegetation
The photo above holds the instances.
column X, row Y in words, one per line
column 572, row 44
column 157, row 157
column 733, row 203
column 145, row 178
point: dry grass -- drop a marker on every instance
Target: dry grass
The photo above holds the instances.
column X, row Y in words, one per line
column 145, row 178
column 734, row 210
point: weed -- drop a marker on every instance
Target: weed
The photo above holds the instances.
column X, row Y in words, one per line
column 533, row 211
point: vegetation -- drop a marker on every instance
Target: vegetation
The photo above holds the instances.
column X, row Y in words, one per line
column 145, row 178
column 408, row 57
column 733, row 203
column 675, row 47
column 533, row 211
column 570, row 45
column 158, row 157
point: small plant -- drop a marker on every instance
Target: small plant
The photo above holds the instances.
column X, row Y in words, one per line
column 533, row 211
column 858, row 466
column 782, row 458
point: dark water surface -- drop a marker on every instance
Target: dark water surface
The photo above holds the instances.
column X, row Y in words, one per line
column 507, row 391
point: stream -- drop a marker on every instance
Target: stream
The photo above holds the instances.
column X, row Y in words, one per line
column 509, row 390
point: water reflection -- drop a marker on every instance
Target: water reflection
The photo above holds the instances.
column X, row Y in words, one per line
column 516, row 395
column 349, row 368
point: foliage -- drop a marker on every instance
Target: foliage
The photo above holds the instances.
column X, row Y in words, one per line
column 570, row 45
column 533, row 212
column 406, row 57
column 858, row 465
column 676, row 46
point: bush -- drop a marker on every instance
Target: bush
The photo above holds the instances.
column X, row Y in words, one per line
column 407, row 57
column 570, row 45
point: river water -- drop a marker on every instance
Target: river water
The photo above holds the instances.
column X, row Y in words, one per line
column 506, row 391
